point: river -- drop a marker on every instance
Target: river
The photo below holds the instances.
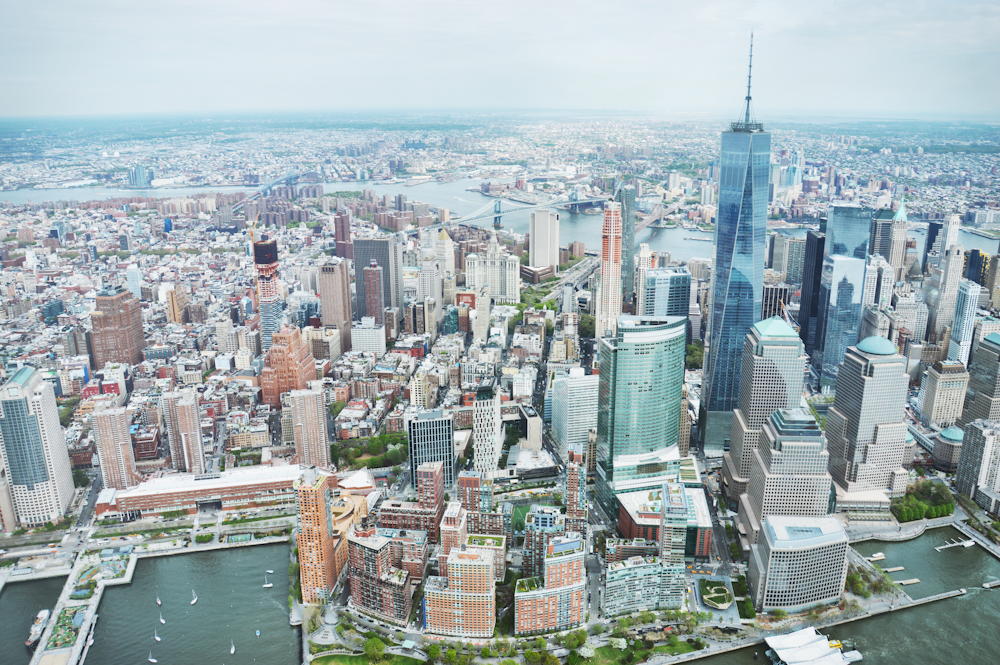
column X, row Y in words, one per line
column 955, row 631
column 20, row 602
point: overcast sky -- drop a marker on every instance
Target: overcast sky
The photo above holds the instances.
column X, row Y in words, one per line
column 856, row 58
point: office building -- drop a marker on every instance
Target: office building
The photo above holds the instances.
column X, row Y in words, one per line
column 840, row 294
column 625, row 197
column 774, row 362
column 775, row 299
column 335, row 299
column 964, row 323
column 574, row 410
column 312, row 445
column 609, row 295
column 799, row 563
column 177, row 301
column 117, row 328
column 947, row 449
column 369, row 337
column 978, row 474
column 977, row 266
column 543, row 232
column 36, row 463
column 556, row 600
column 114, row 448
column 738, row 275
column 665, row 292
column 788, row 476
column 463, row 604
column 288, row 365
column 879, row 282
column 374, row 305
column 487, row 428
column 496, row 271
column 812, row 272
column 795, row 257
column 133, row 277
column 431, row 439
column 888, row 237
column 865, row 432
column 943, row 393
column 265, row 253
column 982, row 399
column 638, row 414
column 378, row 588
column 387, row 253
column 942, row 291
column 636, row 584
column 317, row 565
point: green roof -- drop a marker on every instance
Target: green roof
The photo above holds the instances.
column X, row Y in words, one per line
column 774, row 327
column 22, row 375
column 901, row 213
column 952, row 434
column 994, row 337
column 877, row 346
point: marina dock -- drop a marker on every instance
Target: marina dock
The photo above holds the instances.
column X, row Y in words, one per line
column 957, row 543
column 992, row 585
column 894, row 570
column 907, row 582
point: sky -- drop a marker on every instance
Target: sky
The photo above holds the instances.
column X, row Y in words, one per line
column 913, row 59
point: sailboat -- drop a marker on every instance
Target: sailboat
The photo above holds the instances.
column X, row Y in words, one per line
column 269, row 572
column 194, row 597
column 158, row 600
column 151, row 659
column 232, row 647
column 161, row 618
column 155, row 635
column 267, row 585
column 258, row 633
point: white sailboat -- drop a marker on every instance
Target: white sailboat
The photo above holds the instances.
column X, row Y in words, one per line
column 232, row 647
column 269, row 572
column 156, row 635
column 267, row 585
column 161, row 618
column 151, row 659
column 158, row 600
column 258, row 633
column 194, row 597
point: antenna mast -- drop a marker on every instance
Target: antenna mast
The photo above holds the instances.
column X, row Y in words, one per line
column 749, row 75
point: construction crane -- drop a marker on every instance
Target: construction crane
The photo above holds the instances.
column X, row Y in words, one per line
column 788, row 317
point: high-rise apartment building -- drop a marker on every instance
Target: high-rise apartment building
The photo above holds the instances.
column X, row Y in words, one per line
column 189, row 427
column 982, row 398
column 609, row 295
column 288, row 365
column 431, row 439
column 312, row 446
column 638, row 415
column 665, row 292
column 454, row 529
column 487, row 429
column 625, row 196
column 774, row 362
column 964, row 323
column 117, row 328
column 556, row 602
column 636, row 584
column 177, row 301
column 738, row 275
column 36, row 465
column 317, row 567
column 543, row 231
column 865, row 430
column 374, row 293
column 378, row 588
column 464, row 603
column 800, row 562
column 265, row 257
column 496, row 271
column 133, row 277
column 575, row 494
column 541, row 524
column 574, row 410
column 114, row 448
column 387, row 253
column 978, row 474
column 342, row 234
column 475, row 492
column 335, row 299
column 789, row 474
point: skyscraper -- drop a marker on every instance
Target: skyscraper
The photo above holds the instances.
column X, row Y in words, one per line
column 943, row 393
column 738, row 275
column 888, row 237
column 133, row 277
column 312, row 447
column 431, row 439
column 117, row 324
column 335, row 298
column 812, row 272
column 964, row 324
column 978, row 474
column 387, row 253
column 317, row 567
column 840, row 294
column 288, row 365
column 496, row 271
column 609, row 296
column 543, row 230
column 265, row 256
column 982, row 399
column 574, row 410
column 114, row 448
column 374, row 303
column 189, row 427
column 665, row 292
column 774, row 363
column 33, row 450
column 638, row 414
column 626, row 197
column 487, row 428
column 942, row 291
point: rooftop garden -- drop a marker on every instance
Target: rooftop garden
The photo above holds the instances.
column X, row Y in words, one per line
column 715, row 594
column 529, row 584
column 485, row 541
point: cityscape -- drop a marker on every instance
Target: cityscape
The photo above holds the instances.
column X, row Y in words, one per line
column 499, row 386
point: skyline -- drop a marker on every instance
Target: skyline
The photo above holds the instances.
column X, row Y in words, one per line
column 853, row 60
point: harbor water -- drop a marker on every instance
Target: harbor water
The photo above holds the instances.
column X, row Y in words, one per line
column 20, row 603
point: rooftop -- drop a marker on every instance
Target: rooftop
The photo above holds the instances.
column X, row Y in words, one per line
column 774, row 327
column 800, row 532
column 877, row 346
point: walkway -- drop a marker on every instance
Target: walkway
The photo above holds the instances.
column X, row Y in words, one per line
column 980, row 539
column 859, row 532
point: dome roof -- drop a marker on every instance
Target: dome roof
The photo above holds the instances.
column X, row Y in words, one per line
column 952, row 434
column 774, row 327
column 909, row 436
column 877, row 346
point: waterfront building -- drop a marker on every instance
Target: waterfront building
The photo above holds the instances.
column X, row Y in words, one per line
column 812, row 272
column 312, row 445
column 39, row 477
column 117, row 335
column 190, row 446
column 774, row 364
column 431, row 439
column 557, row 601
column 425, row 513
column 799, row 563
column 978, row 473
column 317, row 562
column 374, row 305
column 982, row 398
column 840, row 292
column 377, row 587
column 463, row 604
column 334, row 283
column 964, row 323
column 665, row 292
column 865, row 431
column 496, row 271
column 454, row 529
column 637, row 584
column 609, row 290
column 789, row 474
column 947, row 449
column 543, row 232
column 288, row 366
column 943, row 393
column 738, row 274
column 574, row 410
column 541, row 524
column 625, row 196
column 114, row 448
column 639, row 395
column 487, row 429
column 387, row 253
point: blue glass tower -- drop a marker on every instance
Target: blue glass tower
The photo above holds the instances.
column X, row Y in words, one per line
column 738, row 275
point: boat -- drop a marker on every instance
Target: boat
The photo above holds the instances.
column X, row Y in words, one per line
column 161, row 618
column 258, row 633
column 151, row 659
column 155, row 635
column 158, row 600
column 232, row 647
column 968, row 543
column 194, row 597
column 701, row 239
column 37, row 628
column 267, row 585
column 269, row 572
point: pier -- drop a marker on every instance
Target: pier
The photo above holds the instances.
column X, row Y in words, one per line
column 908, row 582
column 894, row 570
column 963, row 543
column 992, row 585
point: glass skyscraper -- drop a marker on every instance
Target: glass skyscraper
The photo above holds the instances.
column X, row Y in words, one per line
column 626, row 197
column 840, row 293
column 638, row 405
column 738, row 276
column 848, row 230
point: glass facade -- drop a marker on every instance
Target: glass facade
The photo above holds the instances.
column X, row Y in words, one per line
column 841, row 287
column 666, row 292
column 848, row 230
column 639, row 399
column 22, row 444
column 738, row 277
column 626, row 196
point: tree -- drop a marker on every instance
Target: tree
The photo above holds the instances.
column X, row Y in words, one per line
column 694, row 355
column 550, row 660
column 434, row 652
column 540, row 644
column 780, row 614
column 451, row 657
column 485, row 652
column 80, row 478
column 374, row 648
column 396, row 470
column 334, row 453
column 532, row 657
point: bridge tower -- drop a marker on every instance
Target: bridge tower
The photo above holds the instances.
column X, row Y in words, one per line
column 496, row 215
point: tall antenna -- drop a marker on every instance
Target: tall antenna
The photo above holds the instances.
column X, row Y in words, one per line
column 749, row 75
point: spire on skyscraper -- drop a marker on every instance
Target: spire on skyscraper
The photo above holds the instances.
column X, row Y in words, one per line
column 749, row 76
column 747, row 125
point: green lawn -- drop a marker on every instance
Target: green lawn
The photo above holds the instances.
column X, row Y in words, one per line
column 520, row 511
column 387, row 659
column 610, row 656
